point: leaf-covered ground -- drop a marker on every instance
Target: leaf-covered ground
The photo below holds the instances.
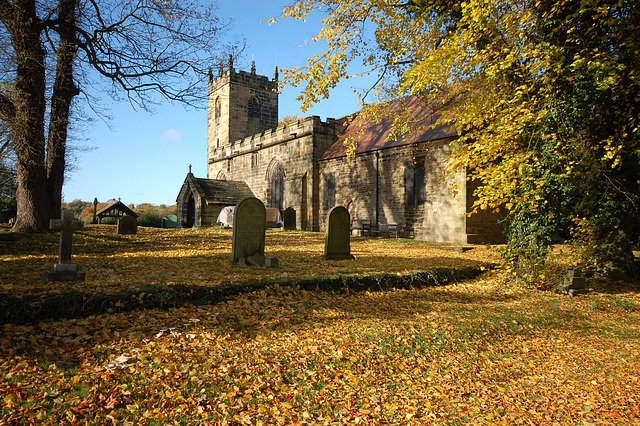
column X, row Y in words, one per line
column 485, row 351
column 201, row 257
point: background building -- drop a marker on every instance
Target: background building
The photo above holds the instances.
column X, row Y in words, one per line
column 304, row 166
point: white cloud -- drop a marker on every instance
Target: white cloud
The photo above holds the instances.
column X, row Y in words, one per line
column 171, row 134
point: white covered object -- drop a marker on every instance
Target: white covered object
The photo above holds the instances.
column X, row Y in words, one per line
column 226, row 216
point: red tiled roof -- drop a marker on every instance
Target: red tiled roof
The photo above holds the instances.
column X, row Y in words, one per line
column 372, row 136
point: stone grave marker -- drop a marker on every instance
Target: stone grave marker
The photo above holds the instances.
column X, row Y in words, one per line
column 56, row 224
column 289, row 218
column 64, row 270
column 273, row 218
column 572, row 283
column 127, row 225
column 338, row 237
column 249, row 224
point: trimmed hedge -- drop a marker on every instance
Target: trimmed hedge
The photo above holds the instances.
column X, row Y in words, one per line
column 33, row 309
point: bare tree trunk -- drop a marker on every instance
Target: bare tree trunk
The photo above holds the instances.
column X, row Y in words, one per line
column 64, row 90
column 28, row 122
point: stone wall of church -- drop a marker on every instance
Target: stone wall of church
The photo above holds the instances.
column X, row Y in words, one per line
column 374, row 186
column 292, row 150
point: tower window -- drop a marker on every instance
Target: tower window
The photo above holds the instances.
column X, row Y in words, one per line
column 218, row 108
column 252, row 108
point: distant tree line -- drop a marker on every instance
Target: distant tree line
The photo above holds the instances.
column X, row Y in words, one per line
column 150, row 214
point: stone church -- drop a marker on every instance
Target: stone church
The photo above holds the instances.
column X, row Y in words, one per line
column 303, row 167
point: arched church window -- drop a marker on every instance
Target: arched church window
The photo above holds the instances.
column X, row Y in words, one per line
column 415, row 184
column 329, row 192
column 252, row 108
column 275, row 185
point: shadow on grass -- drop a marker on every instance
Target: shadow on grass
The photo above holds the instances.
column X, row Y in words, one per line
column 30, row 309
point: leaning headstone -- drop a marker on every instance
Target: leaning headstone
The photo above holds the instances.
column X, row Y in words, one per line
column 127, row 225
column 289, row 218
column 64, row 270
column 338, row 237
column 572, row 283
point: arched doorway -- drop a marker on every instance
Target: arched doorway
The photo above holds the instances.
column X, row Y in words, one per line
column 191, row 211
column 275, row 185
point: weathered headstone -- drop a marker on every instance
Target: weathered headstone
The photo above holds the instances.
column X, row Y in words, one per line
column 64, row 270
column 338, row 237
column 273, row 218
column 249, row 223
column 572, row 283
column 289, row 218
column 127, row 225
column 56, row 224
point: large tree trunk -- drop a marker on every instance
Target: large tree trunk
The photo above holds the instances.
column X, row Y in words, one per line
column 64, row 90
column 28, row 123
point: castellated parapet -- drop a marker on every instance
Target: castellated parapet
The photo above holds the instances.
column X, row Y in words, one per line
column 241, row 104
column 293, row 132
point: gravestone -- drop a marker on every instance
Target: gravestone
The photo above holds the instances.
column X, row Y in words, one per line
column 56, row 224
column 249, row 223
column 273, row 218
column 289, row 218
column 572, row 283
column 64, row 270
column 127, row 225
column 338, row 237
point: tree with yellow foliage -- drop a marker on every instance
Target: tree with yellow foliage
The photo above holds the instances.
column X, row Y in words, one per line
column 545, row 96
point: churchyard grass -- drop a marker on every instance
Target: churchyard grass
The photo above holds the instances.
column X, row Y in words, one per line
column 481, row 351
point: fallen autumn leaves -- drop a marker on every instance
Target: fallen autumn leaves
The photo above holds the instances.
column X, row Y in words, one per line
column 168, row 268
column 481, row 351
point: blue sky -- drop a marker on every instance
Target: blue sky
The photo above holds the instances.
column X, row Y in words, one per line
column 145, row 157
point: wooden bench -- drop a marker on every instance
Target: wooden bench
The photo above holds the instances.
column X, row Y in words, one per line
column 397, row 231
column 389, row 230
column 381, row 230
column 362, row 225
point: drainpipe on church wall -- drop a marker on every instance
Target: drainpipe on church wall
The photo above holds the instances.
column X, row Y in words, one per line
column 377, row 189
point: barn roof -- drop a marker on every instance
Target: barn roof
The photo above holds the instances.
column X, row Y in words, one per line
column 373, row 135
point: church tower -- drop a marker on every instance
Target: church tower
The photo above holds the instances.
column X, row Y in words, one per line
column 241, row 104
